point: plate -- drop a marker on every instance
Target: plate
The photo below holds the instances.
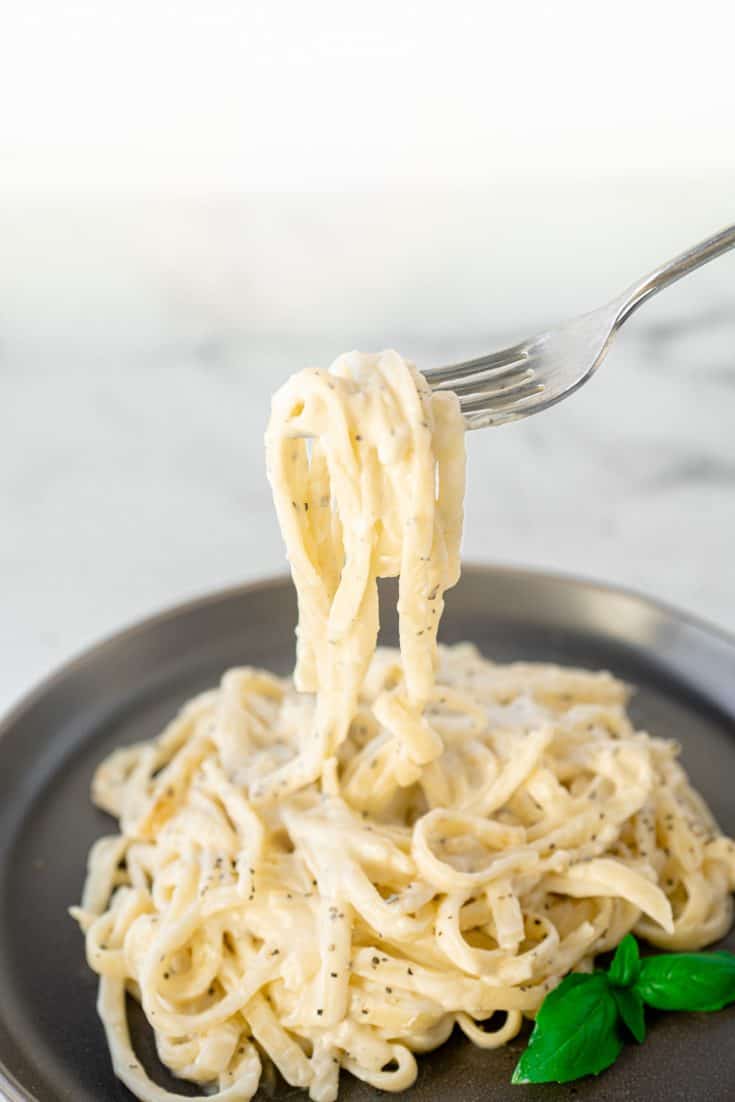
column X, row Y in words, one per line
column 52, row 1047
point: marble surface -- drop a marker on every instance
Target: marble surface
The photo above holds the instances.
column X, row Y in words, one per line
column 135, row 387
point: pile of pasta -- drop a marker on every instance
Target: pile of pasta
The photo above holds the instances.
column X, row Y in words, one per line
column 353, row 927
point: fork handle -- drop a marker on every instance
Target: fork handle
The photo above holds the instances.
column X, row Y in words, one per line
column 667, row 274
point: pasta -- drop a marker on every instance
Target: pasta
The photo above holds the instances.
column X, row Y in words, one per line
column 330, row 873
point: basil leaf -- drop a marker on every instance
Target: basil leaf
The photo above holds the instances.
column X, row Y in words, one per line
column 626, row 963
column 630, row 1008
column 576, row 1033
column 688, row 981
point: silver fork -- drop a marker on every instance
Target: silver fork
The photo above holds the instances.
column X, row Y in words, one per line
column 538, row 372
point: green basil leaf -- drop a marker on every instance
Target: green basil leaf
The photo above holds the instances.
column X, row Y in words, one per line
column 687, row 981
column 576, row 1033
column 630, row 1008
column 626, row 963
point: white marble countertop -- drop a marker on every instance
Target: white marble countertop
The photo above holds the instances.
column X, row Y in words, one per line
column 135, row 383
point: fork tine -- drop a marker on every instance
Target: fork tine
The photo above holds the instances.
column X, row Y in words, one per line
column 500, row 399
column 512, row 411
column 444, row 377
column 505, row 412
column 494, row 384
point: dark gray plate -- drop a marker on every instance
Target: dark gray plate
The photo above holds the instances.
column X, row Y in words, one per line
column 52, row 1047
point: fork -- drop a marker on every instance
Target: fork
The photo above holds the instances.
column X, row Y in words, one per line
column 538, row 372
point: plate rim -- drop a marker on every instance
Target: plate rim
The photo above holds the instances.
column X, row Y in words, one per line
column 128, row 630
column 10, row 1086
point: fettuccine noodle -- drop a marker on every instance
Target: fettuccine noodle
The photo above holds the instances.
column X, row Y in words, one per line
column 330, row 873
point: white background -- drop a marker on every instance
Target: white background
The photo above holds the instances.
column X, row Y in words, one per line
column 198, row 198
column 191, row 97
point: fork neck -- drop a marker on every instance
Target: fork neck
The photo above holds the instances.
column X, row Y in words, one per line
column 674, row 270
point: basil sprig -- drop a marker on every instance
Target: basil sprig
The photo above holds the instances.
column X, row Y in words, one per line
column 579, row 1028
